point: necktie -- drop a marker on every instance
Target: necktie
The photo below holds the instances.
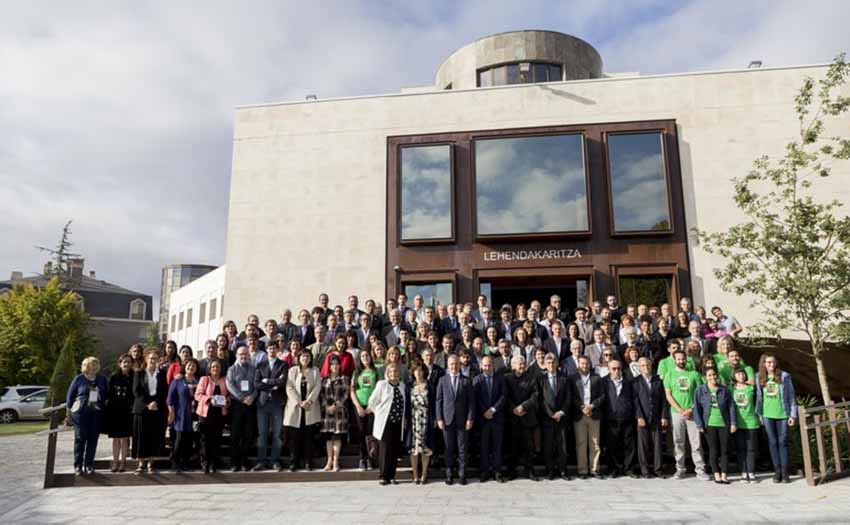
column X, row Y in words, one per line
column 489, row 387
column 454, row 384
column 554, row 386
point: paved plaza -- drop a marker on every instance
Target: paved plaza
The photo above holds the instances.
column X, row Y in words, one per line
column 610, row 501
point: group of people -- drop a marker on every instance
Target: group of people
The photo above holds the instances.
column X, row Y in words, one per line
column 504, row 389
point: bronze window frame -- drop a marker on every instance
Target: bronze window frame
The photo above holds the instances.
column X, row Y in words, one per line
column 606, row 153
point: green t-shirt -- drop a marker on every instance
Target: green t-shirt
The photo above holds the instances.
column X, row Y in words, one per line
column 727, row 371
column 366, row 381
column 745, row 408
column 715, row 418
column 682, row 386
column 772, row 401
column 668, row 364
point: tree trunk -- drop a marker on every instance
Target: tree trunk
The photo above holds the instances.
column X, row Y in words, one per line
column 817, row 350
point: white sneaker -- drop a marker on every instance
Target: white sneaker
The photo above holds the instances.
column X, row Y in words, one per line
column 744, row 479
column 702, row 476
column 679, row 475
column 753, row 478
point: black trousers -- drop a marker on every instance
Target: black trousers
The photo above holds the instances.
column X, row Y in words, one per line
column 456, row 439
column 211, row 439
column 364, row 428
column 301, row 442
column 718, row 457
column 649, row 448
column 243, row 430
column 389, row 449
column 555, row 444
column 491, row 447
column 184, row 443
column 620, row 444
column 522, row 445
column 746, row 443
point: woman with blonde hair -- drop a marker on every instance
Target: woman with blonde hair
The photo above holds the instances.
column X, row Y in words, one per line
column 85, row 402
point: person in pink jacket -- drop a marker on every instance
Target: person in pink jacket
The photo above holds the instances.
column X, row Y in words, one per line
column 213, row 400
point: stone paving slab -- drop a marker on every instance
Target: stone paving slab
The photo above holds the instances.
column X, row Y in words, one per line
column 521, row 502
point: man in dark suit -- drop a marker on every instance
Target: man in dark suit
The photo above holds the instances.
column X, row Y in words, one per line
column 588, row 404
column 557, row 344
column 569, row 366
column 521, row 388
column 490, row 419
column 304, row 331
column 455, row 416
column 653, row 415
column 450, row 322
column 555, row 398
column 363, row 330
column 563, row 315
column 392, row 332
column 502, row 362
column 507, row 325
column 619, row 421
column 270, row 381
column 285, row 325
column 434, row 324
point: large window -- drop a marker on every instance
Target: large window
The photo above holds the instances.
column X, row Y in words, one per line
column 531, row 185
column 639, row 195
column 651, row 290
column 519, row 73
column 426, row 193
column 432, row 293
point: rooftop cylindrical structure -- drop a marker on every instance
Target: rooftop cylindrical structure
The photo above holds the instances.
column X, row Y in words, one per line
column 519, row 57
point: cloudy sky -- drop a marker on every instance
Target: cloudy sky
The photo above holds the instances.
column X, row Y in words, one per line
column 118, row 115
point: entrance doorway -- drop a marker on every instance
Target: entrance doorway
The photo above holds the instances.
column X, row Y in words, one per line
column 513, row 290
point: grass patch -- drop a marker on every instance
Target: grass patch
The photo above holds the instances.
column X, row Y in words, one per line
column 22, row 427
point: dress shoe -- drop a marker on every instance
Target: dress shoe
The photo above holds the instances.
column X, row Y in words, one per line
column 206, row 468
column 308, row 467
column 565, row 476
column 463, row 480
column 293, row 467
column 79, row 471
column 501, row 478
column 583, row 476
column 450, row 481
column 417, row 481
column 394, row 481
column 531, row 476
column 633, row 475
column 383, row 482
column 259, row 467
column 597, row 475
column 278, row 467
column 236, row 468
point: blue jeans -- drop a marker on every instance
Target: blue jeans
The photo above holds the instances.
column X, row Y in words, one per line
column 86, row 434
column 777, row 438
column 269, row 419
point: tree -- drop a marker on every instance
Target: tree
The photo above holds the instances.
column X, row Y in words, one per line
column 61, row 257
column 153, row 334
column 792, row 254
column 34, row 325
column 63, row 373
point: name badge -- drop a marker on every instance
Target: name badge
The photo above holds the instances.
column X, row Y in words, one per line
column 94, row 396
column 219, row 401
column 244, row 385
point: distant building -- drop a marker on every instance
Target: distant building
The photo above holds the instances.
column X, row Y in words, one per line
column 196, row 311
column 176, row 276
column 118, row 317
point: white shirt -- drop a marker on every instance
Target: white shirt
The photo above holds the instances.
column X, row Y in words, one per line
column 151, row 377
column 618, row 384
column 585, row 383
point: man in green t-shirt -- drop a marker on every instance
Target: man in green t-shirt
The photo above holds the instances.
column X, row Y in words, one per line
column 668, row 364
column 734, row 361
column 680, row 385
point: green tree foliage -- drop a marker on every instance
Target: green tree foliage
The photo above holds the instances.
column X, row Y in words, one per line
column 153, row 334
column 792, row 254
column 67, row 366
column 34, row 325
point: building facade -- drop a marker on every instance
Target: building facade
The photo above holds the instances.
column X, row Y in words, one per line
column 175, row 276
column 196, row 311
column 523, row 171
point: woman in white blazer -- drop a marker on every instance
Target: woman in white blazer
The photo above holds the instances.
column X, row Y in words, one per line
column 388, row 403
column 302, row 411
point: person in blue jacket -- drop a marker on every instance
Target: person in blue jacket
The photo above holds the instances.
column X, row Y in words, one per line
column 85, row 404
column 776, row 406
column 714, row 415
